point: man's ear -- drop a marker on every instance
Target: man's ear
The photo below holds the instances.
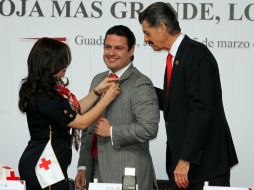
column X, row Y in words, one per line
column 132, row 50
column 163, row 28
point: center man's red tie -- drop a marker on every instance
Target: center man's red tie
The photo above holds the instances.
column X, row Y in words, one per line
column 112, row 75
column 94, row 149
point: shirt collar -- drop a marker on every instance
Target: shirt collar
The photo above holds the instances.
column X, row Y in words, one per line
column 176, row 45
column 121, row 71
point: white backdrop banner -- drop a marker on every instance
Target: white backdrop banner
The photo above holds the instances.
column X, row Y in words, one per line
column 226, row 27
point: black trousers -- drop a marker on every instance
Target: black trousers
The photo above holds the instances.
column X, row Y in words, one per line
column 222, row 180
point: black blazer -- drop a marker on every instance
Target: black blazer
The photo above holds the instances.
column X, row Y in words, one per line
column 197, row 129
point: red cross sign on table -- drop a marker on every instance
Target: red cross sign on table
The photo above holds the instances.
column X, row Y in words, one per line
column 12, row 176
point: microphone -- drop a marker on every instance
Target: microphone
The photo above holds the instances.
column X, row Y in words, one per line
column 129, row 181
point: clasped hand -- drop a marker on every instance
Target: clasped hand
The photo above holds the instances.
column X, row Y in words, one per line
column 102, row 127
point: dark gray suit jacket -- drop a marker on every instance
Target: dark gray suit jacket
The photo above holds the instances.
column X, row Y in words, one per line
column 134, row 116
column 196, row 125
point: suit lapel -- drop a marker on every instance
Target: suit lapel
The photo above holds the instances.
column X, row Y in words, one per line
column 126, row 74
column 123, row 77
column 176, row 65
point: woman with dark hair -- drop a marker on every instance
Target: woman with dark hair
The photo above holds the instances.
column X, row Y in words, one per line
column 52, row 109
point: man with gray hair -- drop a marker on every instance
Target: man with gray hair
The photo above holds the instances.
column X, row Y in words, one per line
column 199, row 144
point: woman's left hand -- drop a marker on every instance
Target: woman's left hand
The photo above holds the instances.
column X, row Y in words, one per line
column 104, row 85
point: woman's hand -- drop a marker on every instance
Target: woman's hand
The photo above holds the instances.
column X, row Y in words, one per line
column 112, row 92
column 104, row 85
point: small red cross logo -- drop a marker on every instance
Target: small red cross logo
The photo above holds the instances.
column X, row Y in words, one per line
column 12, row 176
column 45, row 163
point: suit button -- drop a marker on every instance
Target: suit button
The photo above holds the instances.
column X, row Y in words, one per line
column 65, row 111
column 71, row 116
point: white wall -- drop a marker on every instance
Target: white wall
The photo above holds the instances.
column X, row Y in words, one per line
column 226, row 20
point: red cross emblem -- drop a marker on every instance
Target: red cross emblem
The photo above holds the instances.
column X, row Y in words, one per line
column 45, row 163
column 12, row 176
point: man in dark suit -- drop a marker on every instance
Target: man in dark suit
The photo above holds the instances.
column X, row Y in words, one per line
column 199, row 143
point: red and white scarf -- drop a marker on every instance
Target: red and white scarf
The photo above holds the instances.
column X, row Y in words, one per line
column 66, row 93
